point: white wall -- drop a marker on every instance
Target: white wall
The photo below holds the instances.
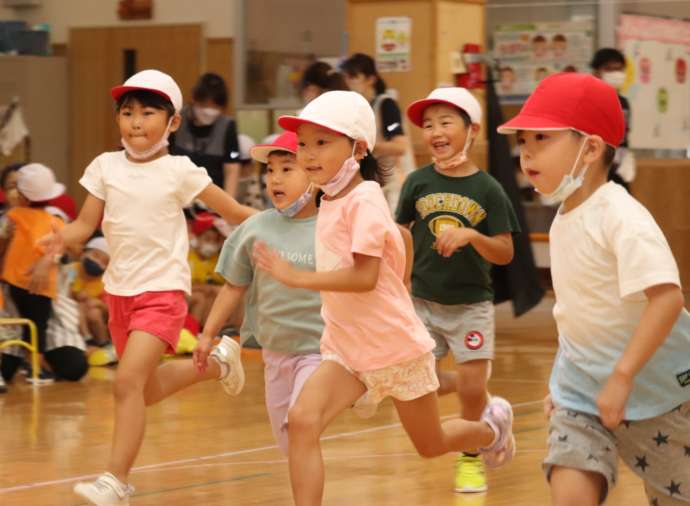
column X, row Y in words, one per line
column 218, row 16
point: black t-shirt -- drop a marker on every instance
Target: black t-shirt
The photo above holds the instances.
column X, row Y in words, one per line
column 391, row 120
column 213, row 163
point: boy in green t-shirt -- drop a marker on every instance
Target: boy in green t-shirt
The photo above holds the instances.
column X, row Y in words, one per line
column 462, row 222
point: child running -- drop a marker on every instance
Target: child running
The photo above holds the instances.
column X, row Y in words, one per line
column 373, row 341
column 141, row 193
column 620, row 384
column 286, row 322
column 462, row 222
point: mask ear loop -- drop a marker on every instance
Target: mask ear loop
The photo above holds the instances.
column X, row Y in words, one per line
column 580, row 152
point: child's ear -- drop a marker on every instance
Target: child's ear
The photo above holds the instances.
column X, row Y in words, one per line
column 360, row 149
column 474, row 129
column 176, row 122
column 594, row 150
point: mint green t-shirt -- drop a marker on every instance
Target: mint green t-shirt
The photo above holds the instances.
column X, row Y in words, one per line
column 280, row 318
column 435, row 202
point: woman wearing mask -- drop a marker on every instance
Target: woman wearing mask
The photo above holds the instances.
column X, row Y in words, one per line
column 207, row 135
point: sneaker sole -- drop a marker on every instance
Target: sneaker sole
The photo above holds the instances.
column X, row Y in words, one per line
column 470, row 490
column 235, row 365
column 79, row 489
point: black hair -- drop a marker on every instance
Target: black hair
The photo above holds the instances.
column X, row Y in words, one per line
column 14, row 167
column 360, row 63
column 559, row 38
column 146, row 99
column 539, row 38
column 370, row 170
column 324, row 76
column 606, row 55
column 281, row 152
column 211, row 87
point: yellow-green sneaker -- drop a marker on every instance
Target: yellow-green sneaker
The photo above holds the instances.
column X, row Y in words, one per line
column 469, row 474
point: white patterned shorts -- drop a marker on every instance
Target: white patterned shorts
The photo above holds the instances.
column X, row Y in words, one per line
column 405, row 381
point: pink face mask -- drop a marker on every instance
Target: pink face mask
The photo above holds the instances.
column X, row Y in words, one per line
column 343, row 177
column 148, row 153
column 458, row 159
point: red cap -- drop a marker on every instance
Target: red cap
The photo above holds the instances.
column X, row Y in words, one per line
column 66, row 204
column 202, row 222
column 286, row 141
column 571, row 101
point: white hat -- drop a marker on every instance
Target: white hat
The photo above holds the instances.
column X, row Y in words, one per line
column 56, row 211
column 246, row 144
column 343, row 112
column 456, row 97
column 37, row 183
column 151, row 80
column 98, row 243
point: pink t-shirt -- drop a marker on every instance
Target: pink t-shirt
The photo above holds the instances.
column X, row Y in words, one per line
column 379, row 328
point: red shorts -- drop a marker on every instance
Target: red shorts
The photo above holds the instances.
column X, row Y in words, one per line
column 161, row 314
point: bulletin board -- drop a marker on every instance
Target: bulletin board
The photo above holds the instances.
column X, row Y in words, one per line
column 657, row 51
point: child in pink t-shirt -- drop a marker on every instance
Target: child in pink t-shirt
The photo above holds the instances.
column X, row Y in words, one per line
column 373, row 342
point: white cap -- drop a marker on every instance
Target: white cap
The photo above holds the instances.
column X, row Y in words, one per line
column 246, row 144
column 57, row 212
column 98, row 243
column 456, row 97
column 37, row 183
column 344, row 112
column 151, row 80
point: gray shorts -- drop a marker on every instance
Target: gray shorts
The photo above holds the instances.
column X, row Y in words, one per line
column 465, row 329
column 657, row 450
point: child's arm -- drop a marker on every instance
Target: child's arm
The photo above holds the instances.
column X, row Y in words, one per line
column 665, row 304
column 409, row 255
column 231, row 210
column 225, row 304
column 497, row 249
column 361, row 277
column 231, row 177
column 86, row 223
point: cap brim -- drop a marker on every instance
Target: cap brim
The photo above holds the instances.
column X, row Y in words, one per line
column 415, row 111
column 528, row 122
column 57, row 190
column 292, row 123
column 118, row 91
column 260, row 152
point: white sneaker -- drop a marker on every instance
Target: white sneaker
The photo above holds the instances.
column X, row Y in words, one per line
column 3, row 385
column 105, row 491
column 499, row 415
column 227, row 353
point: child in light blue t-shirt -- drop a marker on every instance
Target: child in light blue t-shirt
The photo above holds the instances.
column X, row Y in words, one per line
column 286, row 322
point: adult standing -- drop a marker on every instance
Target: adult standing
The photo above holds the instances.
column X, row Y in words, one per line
column 207, row 135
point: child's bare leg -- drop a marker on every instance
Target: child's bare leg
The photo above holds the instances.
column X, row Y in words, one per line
column 137, row 364
column 448, row 380
column 211, row 294
column 472, row 387
column 330, row 390
column 174, row 376
column 97, row 321
column 196, row 303
column 575, row 487
column 421, row 421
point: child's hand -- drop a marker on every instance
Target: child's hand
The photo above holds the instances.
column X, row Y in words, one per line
column 201, row 352
column 53, row 243
column 453, row 239
column 270, row 261
column 549, row 406
column 39, row 274
column 613, row 398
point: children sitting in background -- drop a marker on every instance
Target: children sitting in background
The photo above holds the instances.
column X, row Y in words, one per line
column 203, row 257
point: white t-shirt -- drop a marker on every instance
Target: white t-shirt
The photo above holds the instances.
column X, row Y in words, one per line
column 604, row 254
column 143, row 220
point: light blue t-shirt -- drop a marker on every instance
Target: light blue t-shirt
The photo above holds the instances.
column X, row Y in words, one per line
column 282, row 319
column 604, row 254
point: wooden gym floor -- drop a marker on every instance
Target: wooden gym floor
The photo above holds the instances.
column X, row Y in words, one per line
column 205, row 448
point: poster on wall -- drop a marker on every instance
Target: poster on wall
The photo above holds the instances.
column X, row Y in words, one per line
column 393, row 37
column 657, row 86
column 527, row 53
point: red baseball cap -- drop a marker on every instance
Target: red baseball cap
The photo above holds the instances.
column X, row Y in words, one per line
column 202, row 222
column 286, row 142
column 572, row 101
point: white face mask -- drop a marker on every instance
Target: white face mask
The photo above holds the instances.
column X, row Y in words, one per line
column 347, row 171
column 457, row 159
column 293, row 209
column 615, row 78
column 205, row 115
column 208, row 249
column 148, row 153
column 570, row 183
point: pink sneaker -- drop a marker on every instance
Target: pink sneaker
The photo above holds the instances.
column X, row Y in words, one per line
column 499, row 415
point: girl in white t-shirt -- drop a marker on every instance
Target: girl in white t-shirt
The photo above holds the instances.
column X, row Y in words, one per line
column 140, row 193
column 373, row 342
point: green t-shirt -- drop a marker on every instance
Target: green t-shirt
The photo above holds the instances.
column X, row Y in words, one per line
column 280, row 318
column 434, row 202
